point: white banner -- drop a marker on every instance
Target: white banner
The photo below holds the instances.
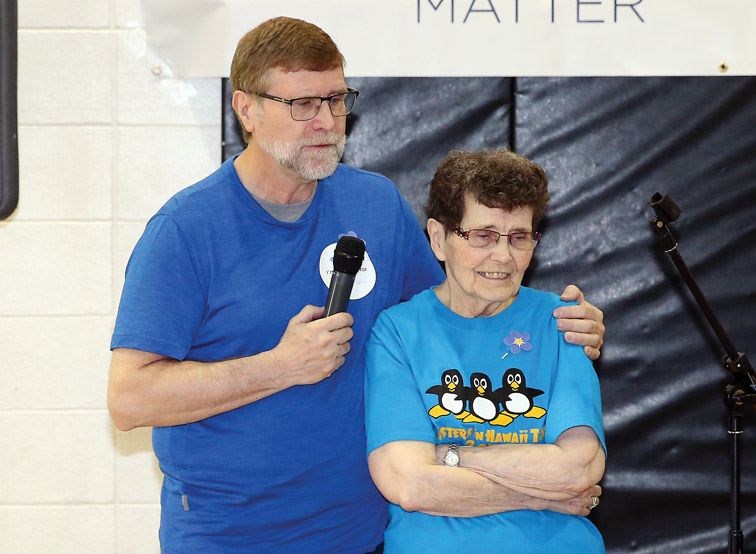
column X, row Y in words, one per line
column 430, row 38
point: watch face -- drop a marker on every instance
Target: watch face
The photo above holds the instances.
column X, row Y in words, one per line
column 451, row 458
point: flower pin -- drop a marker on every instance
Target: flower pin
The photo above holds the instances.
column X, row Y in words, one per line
column 517, row 341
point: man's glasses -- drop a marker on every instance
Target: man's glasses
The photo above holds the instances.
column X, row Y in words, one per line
column 485, row 238
column 305, row 108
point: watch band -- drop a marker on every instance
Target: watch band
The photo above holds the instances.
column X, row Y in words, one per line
column 451, row 458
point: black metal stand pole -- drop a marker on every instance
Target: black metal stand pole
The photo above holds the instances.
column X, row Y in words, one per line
column 735, row 539
column 8, row 107
column 740, row 396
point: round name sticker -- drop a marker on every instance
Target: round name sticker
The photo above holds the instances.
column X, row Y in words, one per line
column 364, row 281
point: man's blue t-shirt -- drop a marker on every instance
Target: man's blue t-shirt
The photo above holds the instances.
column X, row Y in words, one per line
column 437, row 377
column 214, row 277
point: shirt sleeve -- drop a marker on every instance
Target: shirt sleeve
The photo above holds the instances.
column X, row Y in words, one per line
column 394, row 407
column 162, row 301
column 576, row 395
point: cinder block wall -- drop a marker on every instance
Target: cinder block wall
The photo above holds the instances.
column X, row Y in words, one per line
column 106, row 135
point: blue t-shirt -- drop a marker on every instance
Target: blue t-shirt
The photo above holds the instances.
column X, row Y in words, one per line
column 437, row 377
column 214, row 277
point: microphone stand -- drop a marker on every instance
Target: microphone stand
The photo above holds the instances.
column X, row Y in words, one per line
column 740, row 395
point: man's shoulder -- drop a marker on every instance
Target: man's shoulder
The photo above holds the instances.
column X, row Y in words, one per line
column 201, row 197
column 346, row 170
column 368, row 193
column 201, row 191
column 347, row 175
column 409, row 310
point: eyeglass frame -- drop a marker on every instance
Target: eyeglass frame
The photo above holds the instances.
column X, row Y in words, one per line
column 536, row 237
column 290, row 102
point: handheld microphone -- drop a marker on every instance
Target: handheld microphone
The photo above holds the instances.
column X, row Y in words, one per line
column 347, row 260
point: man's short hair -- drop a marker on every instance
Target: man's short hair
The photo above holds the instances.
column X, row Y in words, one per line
column 495, row 178
column 281, row 43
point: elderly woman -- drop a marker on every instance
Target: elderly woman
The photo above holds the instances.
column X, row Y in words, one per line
column 484, row 425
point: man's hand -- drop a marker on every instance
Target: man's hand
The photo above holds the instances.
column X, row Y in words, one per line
column 311, row 348
column 583, row 323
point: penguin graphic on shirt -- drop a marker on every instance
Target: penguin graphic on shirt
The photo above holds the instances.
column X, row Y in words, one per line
column 451, row 395
column 516, row 397
column 483, row 403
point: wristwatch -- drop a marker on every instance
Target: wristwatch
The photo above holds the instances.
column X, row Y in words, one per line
column 451, row 458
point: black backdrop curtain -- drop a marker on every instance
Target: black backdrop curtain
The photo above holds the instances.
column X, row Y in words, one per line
column 607, row 145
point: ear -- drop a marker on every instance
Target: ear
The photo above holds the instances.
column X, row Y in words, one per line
column 437, row 236
column 245, row 109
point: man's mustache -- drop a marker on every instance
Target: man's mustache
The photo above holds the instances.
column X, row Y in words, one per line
column 333, row 139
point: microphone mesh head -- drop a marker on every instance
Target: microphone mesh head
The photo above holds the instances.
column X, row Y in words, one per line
column 348, row 256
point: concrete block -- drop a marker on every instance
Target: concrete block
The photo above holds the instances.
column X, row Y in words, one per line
column 148, row 93
column 128, row 14
column 72, row 181
column 58, row 529
column 54, row 362
column 55, row 269
column 80, row 14
column 65, row 77
column 56, row 457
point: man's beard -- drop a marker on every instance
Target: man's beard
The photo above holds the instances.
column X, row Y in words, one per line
column 310, row 164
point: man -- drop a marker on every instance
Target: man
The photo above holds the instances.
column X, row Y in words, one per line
column 255, row 399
